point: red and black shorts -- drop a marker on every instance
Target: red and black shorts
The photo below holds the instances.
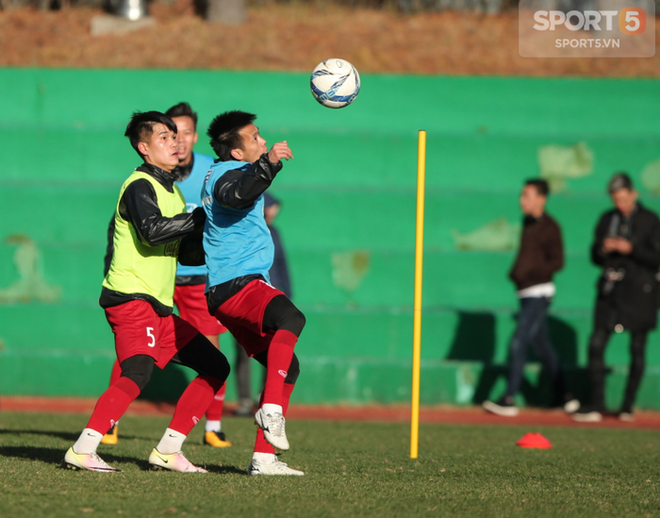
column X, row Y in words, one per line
column 138, row 329
column 243, row 315
column 191, row 303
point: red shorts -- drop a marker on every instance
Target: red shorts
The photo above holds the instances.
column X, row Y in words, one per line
column 139, row 329
column 243, row 315
column 191, row 303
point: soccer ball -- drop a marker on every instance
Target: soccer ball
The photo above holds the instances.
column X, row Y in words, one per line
column 335, row 83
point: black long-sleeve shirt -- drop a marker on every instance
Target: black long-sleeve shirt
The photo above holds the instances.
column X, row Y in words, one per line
column 139, row 206
column 641, row 228
column 240, row 188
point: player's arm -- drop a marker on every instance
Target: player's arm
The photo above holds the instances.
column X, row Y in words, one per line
column 240, row 188
column 554, row 251
column 139, row 206
column 647, row 249
column 598, row 255
column 191, row 250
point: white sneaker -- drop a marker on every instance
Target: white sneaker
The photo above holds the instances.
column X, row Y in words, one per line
column 587, row 417
column 628, row 417
column 271, row 468
column 501, row 408
column 273, row 427
column 88, row 461
column 572, row 406
column 174, row 462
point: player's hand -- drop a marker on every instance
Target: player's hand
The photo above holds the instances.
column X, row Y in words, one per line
column 610, row 245
column 624, row 246
column 279, row 151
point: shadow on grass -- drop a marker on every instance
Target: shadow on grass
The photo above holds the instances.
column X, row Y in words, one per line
column 71, row 436
column 56, row 456
column 226, row 470
column 67, row 436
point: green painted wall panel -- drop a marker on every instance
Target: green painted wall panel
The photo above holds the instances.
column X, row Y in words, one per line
column 347, row 220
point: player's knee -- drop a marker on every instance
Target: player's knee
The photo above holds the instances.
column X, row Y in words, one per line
column 219, row 368
column 138, row 369
column 293, row 372
column 294, row 321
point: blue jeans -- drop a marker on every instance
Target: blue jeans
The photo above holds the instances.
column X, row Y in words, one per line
column 533, row 329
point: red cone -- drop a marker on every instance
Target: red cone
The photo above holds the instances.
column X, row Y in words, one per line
column 534, row 440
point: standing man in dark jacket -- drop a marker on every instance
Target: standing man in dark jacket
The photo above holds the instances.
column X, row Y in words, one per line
column 541, row 254
column 627, row 248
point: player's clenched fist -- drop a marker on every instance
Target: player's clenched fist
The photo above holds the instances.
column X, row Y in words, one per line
column 279, row 151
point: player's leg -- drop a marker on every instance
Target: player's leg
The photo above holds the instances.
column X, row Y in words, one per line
column 190, row 300
column 136, row 328
column 637, row 364
column 264, row 461
column 593, row 413
column 529, row 322
column 213, row 434
column 242, row 374
column 112, row 435
column 212, row 369
column 285, row 322
column 136, row 372
column 551, row 364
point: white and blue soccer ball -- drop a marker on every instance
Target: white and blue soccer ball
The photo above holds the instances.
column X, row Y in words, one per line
column 335, row 83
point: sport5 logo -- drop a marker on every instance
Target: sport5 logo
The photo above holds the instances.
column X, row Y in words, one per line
column 632, row 20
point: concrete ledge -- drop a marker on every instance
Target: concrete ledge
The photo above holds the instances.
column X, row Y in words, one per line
column 109, row 24
column 323, row 380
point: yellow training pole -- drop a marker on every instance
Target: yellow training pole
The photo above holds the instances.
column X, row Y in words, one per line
column 417, row 319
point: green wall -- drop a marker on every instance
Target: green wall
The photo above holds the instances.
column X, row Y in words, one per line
column 347, row 220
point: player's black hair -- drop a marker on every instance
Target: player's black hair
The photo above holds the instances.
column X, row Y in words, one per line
column 541, row 186
column 223, row 132
column 141, row 126
column 182, row 110
column 620, row 181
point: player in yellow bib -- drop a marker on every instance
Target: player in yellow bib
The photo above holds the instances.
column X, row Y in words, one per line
column 152, row 231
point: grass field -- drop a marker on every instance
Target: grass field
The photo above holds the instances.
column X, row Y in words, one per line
column 352, row 469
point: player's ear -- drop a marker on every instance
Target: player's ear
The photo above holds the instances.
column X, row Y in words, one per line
column 237, row 153
column 143, row 148
column 195, row 138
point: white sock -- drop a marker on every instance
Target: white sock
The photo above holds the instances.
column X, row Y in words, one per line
column 171, row 442
column 271, row 409
column 213, row 426
column 264, row 458
column 88, row 441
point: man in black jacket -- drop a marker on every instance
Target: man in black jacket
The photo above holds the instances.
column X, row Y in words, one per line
column 541, row 254
column 627, row 248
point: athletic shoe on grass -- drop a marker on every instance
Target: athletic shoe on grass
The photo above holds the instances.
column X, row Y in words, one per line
column 111, row 437
column 216, row 439
column 272, row 468
column 273, row 427
column 504, row 407
column 88, row 461
column 174, row 462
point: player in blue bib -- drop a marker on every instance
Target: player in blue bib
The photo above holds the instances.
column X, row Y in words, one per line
column 239, row 252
